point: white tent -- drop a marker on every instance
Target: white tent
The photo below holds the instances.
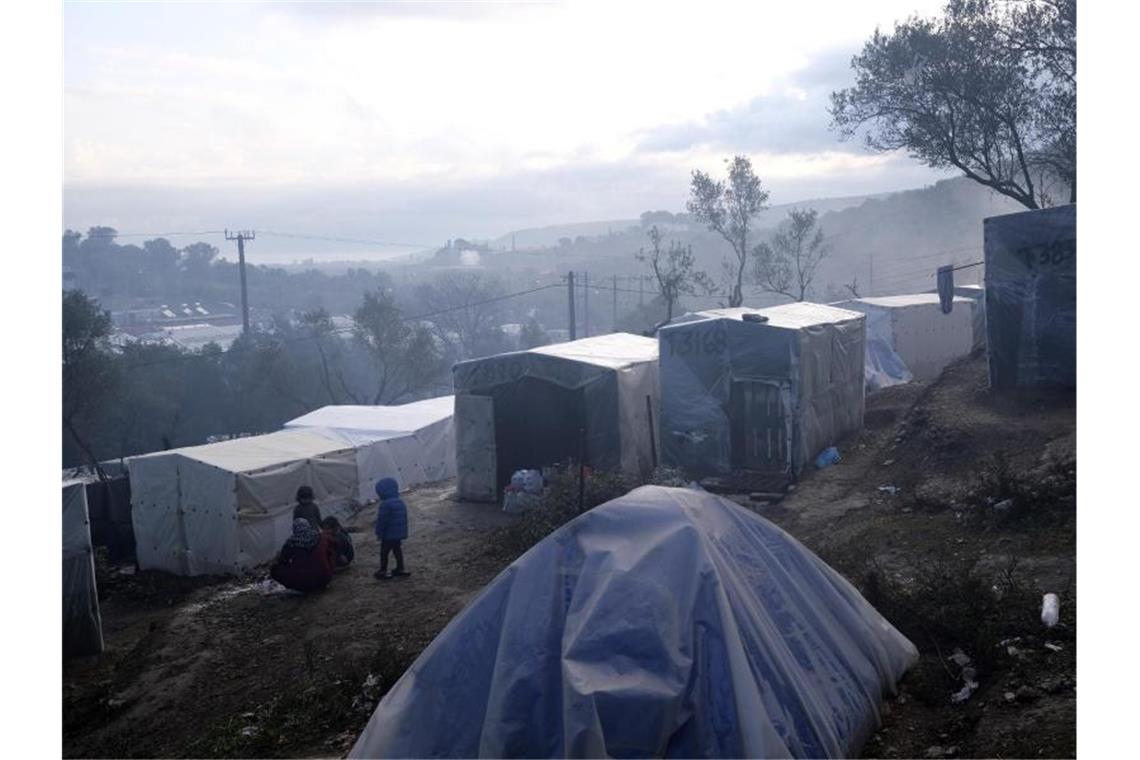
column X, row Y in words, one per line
column 82, row 627
column 225, row 507
column 914, row 327
column 413, row 443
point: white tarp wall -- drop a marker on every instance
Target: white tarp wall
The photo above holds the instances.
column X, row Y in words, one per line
column 666, row 623
column 413, row 443
column 82, row 626
column 919, row 333
column 225, row 507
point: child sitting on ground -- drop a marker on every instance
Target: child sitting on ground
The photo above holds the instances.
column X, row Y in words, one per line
column 341, row 541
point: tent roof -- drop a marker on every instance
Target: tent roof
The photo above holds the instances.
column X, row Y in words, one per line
column 689, row 627
column 614, row 351
column 792, row 316
column 383, row 421
column 896, row 302
column 256, row 452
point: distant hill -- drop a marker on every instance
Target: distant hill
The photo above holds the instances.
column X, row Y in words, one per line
column 894, row 243
column 543, row 237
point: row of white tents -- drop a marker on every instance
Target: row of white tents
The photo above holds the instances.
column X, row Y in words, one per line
column 225, row 507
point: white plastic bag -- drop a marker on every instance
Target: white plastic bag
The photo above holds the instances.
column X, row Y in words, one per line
column 1050, row 610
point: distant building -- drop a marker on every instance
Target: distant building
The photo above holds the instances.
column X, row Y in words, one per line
column 196, row 336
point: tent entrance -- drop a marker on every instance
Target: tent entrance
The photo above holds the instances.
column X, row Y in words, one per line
column 537, row 423
column 758, row 427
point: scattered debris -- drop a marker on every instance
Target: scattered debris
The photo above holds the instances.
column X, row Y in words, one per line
column 960, row 658
column 969, row 676
column 888, row 463
column 1050, row 610
column 892, row 490
column 1053, row 647
column 1003, row 506
column 827, row 457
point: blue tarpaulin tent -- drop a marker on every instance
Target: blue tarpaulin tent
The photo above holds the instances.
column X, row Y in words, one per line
column 668, row 622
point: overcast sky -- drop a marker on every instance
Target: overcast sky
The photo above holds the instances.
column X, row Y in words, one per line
column 423, row 121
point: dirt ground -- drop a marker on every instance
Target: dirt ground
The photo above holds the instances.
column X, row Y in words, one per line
column 239, row 668
column 953, row 570
column 982, row 522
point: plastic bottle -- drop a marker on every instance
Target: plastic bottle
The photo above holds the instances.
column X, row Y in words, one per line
column 1050, row 610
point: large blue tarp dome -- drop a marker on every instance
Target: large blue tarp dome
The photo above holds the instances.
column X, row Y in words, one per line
column 668, row 622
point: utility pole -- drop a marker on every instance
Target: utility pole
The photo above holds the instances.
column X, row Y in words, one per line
column 586, row 300
column 570, row 300
column 615, row 304
column 241, row 237
column 641, row 290
column 871, row 278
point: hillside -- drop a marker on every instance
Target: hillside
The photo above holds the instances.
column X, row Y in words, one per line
column 883, row 244
column 240, row 667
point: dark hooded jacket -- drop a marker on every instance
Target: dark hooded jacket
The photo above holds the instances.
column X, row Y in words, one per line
column 392, row 514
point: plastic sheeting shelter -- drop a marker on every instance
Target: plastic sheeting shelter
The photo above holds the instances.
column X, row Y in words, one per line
column 977, row 295
column 1031, row 297
column 666, row 623
column 413, row 443
column 225, row 507
column 587, row 400
column 739, row 395
column 82, row 626
column 914, row 329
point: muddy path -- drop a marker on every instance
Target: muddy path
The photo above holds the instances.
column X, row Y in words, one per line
column 227, row 667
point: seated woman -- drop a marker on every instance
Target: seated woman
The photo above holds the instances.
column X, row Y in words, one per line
column 306, row 560
column 343, row 550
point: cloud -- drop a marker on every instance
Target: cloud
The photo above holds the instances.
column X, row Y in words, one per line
column 792, row 118
column 352, row 12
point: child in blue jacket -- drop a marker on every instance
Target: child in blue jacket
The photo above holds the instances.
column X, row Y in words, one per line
column 391, row 527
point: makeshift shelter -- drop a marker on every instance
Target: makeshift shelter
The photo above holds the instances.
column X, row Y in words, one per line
column 915, row 329
column 666, row 623
column 225, row 507
column 977, row 296
column 1031, row 297
column 759, row 390
column 589, row 400
column 82, row 626
column 413, row 443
